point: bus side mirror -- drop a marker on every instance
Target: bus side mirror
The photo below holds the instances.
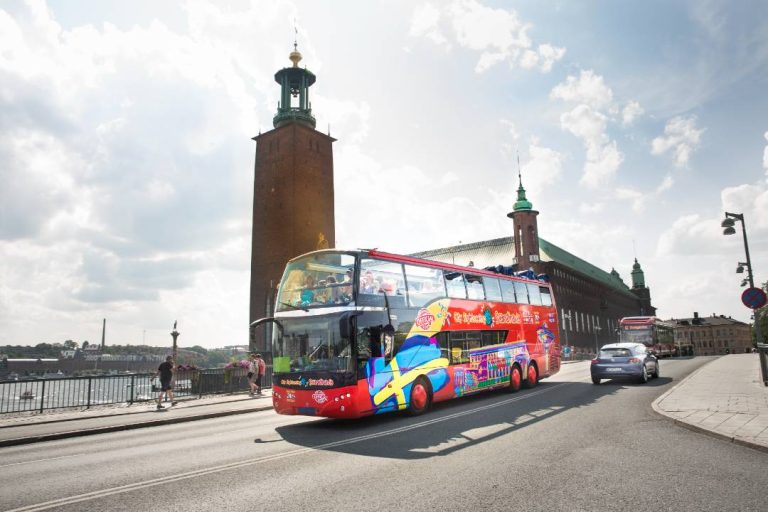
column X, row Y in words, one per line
column 387, row 340
column 345, row 324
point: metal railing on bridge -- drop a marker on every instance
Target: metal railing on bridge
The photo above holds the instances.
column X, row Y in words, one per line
column 84, row 392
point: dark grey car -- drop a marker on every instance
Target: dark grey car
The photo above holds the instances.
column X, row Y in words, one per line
column 624, row 361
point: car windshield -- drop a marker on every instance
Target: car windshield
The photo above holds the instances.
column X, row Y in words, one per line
column 322, row 279
column 309, row 344
column 615, row 352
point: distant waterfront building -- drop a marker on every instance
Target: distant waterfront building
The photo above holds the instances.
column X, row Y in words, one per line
column 590, row 301
column 293, row 197
column 713, row 335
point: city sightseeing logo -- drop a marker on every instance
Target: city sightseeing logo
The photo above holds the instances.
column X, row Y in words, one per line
column 319, row 397
column 424, row 319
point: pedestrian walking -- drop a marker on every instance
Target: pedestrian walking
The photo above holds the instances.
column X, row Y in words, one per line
column 165, row 371
column 253, row 372
column 261, row 370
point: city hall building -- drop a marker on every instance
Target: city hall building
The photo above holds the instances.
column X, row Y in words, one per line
column 590, row 300
column 293, row 213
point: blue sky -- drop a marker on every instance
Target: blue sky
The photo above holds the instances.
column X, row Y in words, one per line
column 126, row 162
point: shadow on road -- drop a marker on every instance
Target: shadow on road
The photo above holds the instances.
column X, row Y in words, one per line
column 661, row 381
column 449, row 426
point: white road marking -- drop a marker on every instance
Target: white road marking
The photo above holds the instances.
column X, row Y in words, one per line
column 268, row 458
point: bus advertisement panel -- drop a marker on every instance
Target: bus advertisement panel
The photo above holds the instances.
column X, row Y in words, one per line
column 366, row 332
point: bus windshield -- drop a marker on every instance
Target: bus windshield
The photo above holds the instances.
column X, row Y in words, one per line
column 310, row 344
column 637, row 334
column 317, row 280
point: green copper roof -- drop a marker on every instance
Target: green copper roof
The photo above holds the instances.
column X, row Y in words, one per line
column 522, row 203
column 499, row 251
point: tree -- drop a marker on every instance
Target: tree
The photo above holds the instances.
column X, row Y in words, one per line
column 70, row 345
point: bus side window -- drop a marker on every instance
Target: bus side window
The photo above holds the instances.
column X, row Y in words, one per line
column 546, row 298
column 492, row 289
column 455, row 284
column 534, row 295
column 457, row 341
column 474, row 287
column 507, row 291
column 442, row 342
column 521, row 293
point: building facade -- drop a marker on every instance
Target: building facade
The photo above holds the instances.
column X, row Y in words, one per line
column 713, row 335
column 590, row 301
column 293, row 197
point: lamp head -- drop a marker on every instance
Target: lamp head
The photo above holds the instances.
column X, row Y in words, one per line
column 744, row 282
column 740, row 269
column 727, row 222
column 729, row 230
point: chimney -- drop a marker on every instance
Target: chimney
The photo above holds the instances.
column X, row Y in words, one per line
column 695, row 314
column 103, row 333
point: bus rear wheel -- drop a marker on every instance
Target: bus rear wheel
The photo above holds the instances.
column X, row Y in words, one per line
column 532, row 377
column 421, row 397
column 515, row 379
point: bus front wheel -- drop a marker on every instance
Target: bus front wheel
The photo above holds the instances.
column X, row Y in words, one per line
column 421, row 397
column 532, row 377
column 515, row 379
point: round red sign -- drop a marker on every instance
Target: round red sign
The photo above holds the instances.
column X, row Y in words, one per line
column 754, row 298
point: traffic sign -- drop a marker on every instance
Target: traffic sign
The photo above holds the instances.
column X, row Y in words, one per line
column 754, row 298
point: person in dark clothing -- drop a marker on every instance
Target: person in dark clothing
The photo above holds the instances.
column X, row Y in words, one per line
column 165, row 371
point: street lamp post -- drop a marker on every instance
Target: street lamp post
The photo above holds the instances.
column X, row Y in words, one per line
column 175, row 335
column 597, row 348
column 728, row 224
column 570, row 350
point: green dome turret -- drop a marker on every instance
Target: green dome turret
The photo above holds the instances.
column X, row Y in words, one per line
column 294, row 88
column 522, row 203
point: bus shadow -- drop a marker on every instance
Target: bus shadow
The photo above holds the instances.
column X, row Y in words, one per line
column 449, row 426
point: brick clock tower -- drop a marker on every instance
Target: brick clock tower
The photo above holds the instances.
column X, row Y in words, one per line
column 292, row 194
column 526, row 231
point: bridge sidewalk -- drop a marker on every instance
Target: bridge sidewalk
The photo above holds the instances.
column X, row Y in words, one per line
column 27, row 428
column 725, row 398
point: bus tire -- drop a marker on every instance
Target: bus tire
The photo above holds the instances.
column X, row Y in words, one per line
column 421, row 397
column 515, row 379
column 532, row 376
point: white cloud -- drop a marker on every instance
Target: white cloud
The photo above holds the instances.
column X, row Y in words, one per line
column 752, row 201
column 636, row 198
column 544, row 167
column 765, row 156
column 425, row 23
column 665, row 184
column 631, row 111
column 603, row 157
column 498, row 34
column 587, row 88
column 681, row 137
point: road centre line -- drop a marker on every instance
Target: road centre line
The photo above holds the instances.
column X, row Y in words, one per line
column 269, row 458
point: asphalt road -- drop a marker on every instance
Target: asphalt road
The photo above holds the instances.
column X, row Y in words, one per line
column 565, row 445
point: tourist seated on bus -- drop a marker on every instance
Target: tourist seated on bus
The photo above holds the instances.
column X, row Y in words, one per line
column 367, row 284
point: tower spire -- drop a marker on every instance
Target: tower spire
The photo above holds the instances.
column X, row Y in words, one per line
column 522, row 203
column 294, row 83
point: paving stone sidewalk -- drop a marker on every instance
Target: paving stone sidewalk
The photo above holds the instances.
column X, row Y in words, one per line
column 725, row 398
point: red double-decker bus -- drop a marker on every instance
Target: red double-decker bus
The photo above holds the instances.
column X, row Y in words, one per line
column 652, row 332
column 364, row 332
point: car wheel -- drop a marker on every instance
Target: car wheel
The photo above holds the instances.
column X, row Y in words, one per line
column 655, row 373
column 532, row 378
column 596, row 380
column 644, row 376
column 515, row 379
column 421, row 397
